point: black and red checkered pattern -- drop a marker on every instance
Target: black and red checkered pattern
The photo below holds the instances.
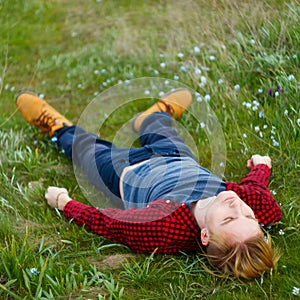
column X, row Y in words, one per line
column 253, row 189
column 166, row 226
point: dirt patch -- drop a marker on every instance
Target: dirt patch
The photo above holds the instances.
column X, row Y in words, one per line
column 114, row 261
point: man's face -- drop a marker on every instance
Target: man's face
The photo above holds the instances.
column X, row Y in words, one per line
column 230, row 215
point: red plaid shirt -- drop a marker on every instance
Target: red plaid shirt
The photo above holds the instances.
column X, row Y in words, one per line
column 166, row 226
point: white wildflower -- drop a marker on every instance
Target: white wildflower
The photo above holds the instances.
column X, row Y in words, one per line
column 34, row 271
column 207, row 98
column 155, row 72
column 237, row 87
column 196, row 50
column 202, row 124
column 281, row 232
column 260, row 91
column 182, row 68
column 199, row 98
column 247, row 104
column 261, row 114
column 286, row 112
column 212, row 58
column 291, row 77
column 180, row 55
column 162, row 65
column 273, row 129
column 147, row 92
column 256, row 129
column 296, row 291
column 298, row 122
column 252, row 42
column 203, row 79
column 198, row 71
column 244, row 135
column 161, row 94
column 42, row 96
column 176, row 77
column 275, row 143
column 276, row 94
column 167, row 82
column 96, row 72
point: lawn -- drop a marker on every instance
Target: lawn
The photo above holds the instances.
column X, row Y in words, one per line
column 242, row 60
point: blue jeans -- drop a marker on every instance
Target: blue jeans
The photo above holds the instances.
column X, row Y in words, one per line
column 103, row 162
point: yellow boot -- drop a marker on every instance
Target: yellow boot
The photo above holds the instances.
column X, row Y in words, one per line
column 173, row 103
column 40, row 114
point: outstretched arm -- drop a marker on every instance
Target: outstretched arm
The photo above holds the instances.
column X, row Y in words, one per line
column 164, row 226
column 253, row 189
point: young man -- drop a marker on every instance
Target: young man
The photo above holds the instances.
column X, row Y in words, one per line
column 170, row 203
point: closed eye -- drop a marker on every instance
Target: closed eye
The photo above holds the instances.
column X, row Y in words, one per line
column 227, row 220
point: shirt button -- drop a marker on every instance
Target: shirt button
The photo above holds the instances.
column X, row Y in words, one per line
column 168, row 201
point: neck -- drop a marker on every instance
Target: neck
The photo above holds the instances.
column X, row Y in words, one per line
column 199, row 209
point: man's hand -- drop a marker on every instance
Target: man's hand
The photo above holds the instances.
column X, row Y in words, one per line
column 57, row 197
column 257, row 159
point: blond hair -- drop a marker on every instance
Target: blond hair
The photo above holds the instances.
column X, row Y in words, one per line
column 244, row 260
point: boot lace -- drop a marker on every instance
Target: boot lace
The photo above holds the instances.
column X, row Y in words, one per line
column 45, row 121
column 166, row 107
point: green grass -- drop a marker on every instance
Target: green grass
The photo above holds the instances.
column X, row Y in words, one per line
column 72, row 50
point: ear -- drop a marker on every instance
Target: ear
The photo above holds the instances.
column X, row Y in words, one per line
column 204, row 236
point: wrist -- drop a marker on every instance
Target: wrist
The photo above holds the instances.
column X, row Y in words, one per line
column 263, row 163
column 62, row 200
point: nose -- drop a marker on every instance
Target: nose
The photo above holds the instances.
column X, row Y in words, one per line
column 236, row 205
column 237, row 208
column 233, row 203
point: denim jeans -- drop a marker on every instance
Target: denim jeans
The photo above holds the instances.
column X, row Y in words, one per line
column 103, row 162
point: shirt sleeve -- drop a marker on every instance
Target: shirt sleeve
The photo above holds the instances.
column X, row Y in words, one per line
column 163, row 226
column 253, row 189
